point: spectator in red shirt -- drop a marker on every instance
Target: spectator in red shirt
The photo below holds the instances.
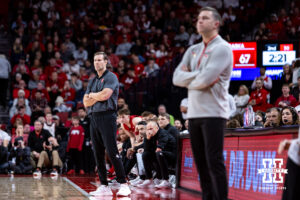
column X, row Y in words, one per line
column 138, row 67
column 21, row 114
column 40, row 88
column 68, row 93
column 129, row 79
column 54, row 82
column 286, row 99
column 74, row 148
column 258, row 98
column 21, row 87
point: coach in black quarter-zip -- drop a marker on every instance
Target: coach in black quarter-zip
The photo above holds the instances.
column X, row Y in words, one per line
column 101, row 100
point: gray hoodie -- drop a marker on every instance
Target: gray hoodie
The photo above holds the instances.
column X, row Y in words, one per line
column 205, row 98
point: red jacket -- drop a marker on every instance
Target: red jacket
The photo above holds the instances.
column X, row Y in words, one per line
column 25, row 119
column 16, row 90
column 260, row 96
column 290, row 101
column 68, row 95
column 76, row 138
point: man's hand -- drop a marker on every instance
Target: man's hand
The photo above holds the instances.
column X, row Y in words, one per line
column 140, row 150
column 185, row 68
column 284, row 145
column 36, row 154
column 130, row 153
column 158, row 149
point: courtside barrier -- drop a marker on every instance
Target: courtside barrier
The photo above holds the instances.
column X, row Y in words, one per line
column 254, row 168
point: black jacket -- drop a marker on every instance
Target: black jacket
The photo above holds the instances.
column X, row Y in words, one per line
column 172, row 130
column 3, row 154
column 22, row 155
column 161, row 140
column 36, row 142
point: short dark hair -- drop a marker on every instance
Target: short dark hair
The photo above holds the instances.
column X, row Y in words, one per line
column 142, row 123
column 124, row 111
column 105, row 57
column 214, row 11
column 146, row 114
column 75, row 118
column 166, row 115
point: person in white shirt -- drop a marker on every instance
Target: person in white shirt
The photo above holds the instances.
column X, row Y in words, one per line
column 267, row 80
column 241, row 99
column 49, row 125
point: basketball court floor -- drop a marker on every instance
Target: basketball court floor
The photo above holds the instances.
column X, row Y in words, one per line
column 14, row 187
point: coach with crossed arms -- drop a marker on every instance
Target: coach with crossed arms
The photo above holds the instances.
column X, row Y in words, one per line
column 101, row 100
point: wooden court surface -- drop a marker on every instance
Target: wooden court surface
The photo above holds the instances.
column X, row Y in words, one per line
column 15, row 187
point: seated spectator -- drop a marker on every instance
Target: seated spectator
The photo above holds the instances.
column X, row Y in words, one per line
column 162, row 110
column 259, row 119
column 21, row 153
column 36, row 141
column 286, row 77
column 161, row 52
column 241, row 99
column 44, row 93
column 49, row 124
column 286, row 99
column 22, row 87
column 164, row 123
column 137, row 65
column 121, row 104
column 151, row 69
column 123, row 49
column 233, row 123
column 21, row 68
column 268, row 118
column 178, row 125
column 38, row 104
column 74, row 148
column 258, row 98
column 296, row 89
column 289, row 116
column 18, row 103
column 60, row 105
column 159, row 151
column 75, row 82
column 4, row 137
column 71, row 67
column 68, row 94
column 21, row 114
column 182, row 38
column 186, row 125
column 49, row 158
column 128, row 123
column 129, row 79
column 275, row 117
column 81, row 55
column 267, row 81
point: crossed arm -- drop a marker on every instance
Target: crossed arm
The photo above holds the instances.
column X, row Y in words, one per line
column 91, row 98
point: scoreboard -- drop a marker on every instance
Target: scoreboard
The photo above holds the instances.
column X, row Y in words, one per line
column 244, row 54
column 278, row 54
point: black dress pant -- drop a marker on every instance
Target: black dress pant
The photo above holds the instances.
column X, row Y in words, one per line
column 103, row 128
column 207, row 139
column 292, row 181
column 159, row 161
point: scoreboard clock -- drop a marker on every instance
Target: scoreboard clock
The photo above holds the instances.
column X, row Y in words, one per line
column 278, row 54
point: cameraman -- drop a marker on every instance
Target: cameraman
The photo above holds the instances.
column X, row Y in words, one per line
column 49, row 157
column 21, row 153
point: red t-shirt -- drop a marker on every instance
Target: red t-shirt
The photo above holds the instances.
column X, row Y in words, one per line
column 132, row 127
column 16, row 90
column 76, row 138
column 290, row 101
column 25, row 119
column 68, row 95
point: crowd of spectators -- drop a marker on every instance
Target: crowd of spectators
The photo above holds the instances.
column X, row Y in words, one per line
column 51, row 64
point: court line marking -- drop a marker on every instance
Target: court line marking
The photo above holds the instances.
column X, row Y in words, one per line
column 76, row 187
